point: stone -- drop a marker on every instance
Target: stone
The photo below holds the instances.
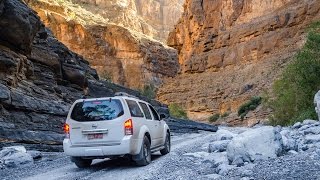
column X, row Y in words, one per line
column 4, row 93
column 317, row 103
column 218, row 146
column 223, row 134
column 213, row 176
column 312, row 130
column 289, row 143
column 197, row 154
column 309, row 122
column 35, row 154
column 238, row 161
column 311, row 139
column 292, row 152
column 297, row 125
column 264, row 142
column 23, row 20
column 223, row 169
column 15, row 156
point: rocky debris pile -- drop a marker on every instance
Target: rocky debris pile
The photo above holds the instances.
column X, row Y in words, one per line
column 235, row 153
column 14, row 156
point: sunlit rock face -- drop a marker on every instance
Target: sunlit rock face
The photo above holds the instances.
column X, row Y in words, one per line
column 111, row 35
column 231, row 50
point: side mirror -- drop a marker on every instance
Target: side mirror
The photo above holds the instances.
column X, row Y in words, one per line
column 162, row 116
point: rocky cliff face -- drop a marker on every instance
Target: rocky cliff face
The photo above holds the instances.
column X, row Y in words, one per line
column 39, row 79
column 124, row 55
column 230, row 50
column 155, row 18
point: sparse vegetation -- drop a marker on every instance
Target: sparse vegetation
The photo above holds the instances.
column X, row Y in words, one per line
column 293, row 93
column 226, row 114
column 149, row 91
column 249, row 106
column 214, row 118
column 177, row 111
column 107, row 76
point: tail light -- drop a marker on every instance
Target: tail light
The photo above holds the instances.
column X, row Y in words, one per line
column 128, row 127
column 66, row 129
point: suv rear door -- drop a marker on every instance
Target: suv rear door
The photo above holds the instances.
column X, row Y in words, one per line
column 97, row 122
column 159, row 125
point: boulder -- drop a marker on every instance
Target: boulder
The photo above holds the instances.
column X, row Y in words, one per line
column 289, row 143
column 35, row 154
column 311, row 139
column 218, row 146
column 297, row 125
column 4, row 93
column 223, row 134
column 15, row 156
column 309, row 122
column 260, row 143
column 317, row 103
column 223, row 169
column 22, row 26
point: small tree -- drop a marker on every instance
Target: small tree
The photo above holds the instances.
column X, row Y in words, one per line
column 177, row 111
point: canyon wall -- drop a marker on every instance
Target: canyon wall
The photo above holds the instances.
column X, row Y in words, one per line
column 39, row 80
column 231, row 50
column 120, row 54
column 155, row 18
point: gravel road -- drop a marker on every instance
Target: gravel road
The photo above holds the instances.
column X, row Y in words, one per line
column 171, row 166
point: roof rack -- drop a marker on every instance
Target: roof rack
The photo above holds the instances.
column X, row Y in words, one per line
column 124, row 94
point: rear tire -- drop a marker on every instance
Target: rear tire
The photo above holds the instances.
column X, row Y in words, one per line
column 81, row 163
column 167, row 145
column 145, row 153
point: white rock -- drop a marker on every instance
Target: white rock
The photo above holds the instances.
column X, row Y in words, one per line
column 18, row 148
column 289, row 143
column 197, row 154
column 265, row 142
column 35, row 154
column 15, row 156
column 213, row 176
column 297, row 125
column 312, row 139
column 309, row 122
column 223, row 134
column 317, row 104
column 218, row 146
column 217, row 158
column 223, row 169
column 312, row 130
column 292, row 152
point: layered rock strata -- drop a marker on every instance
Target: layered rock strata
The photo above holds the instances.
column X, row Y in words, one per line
column 39, row 79
column 232, row 50
column 123, row 55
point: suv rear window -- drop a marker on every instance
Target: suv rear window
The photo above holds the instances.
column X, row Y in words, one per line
column 99, row 110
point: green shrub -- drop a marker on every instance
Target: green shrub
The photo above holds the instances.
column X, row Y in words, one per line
column 214, row 118
column 249, row 106
column 294, row 91
column 177, row 111
column 149, row 91
column 107, row 76
column 226, row 114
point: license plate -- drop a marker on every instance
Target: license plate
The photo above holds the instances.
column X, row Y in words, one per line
column 95, row 136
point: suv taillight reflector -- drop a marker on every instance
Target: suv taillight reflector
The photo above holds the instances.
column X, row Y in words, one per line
column 66, row 129
column 128, row 127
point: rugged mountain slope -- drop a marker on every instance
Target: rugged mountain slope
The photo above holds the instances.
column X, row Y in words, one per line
column 39, row 79
column 124, row 55
column 230, row 50
column 155, row 18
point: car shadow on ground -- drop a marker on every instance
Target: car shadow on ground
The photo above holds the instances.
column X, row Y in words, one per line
column 119, row 162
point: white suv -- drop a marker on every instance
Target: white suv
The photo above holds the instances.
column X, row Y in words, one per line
column 114, row 127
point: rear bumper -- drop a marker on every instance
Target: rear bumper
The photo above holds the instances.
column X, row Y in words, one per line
column 126, row 146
